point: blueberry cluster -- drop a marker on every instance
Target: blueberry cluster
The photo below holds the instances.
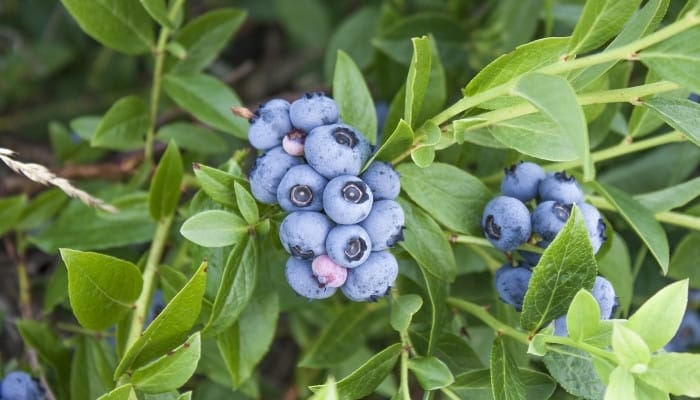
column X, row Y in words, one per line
column 340, row 222
column 508, row 222
column 688, row 334
column 18, row 385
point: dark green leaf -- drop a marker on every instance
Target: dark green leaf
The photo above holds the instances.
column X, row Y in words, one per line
column 170, row 328
column 436, row 91
column 437, row 293
column 566, row 266
column 430, row 372
column 353, row 37
column 676, row 58
column 476, row 384
column 208, row 99
column 42, row 208
column 676, row 373
column 124, row 125
column 296, row 17
column 217, row 184
column 417, row 79
column 395, row 145
column 426, row 243
column 50, row 348
column 120, row 24
column 599, row 22
column 236, row 286
column 641, row 220
column 402, row 310
column 214, row 228
column 124, row 392
column 91, row 371
column 159, row 12
column 170, row 371
column 204, row 37
column 461, row 196
column 670, row 197
column 246, row 204
column 192, row 137
column 11, row 211
column 573, row 370
column 684, row 261
column 505, row 377
column 364, row 380
column 681, row 114
column 450, row 348
column 102, row 289
column 354, row 100
column 165, row 186
column 537, row 136
column 583, row 316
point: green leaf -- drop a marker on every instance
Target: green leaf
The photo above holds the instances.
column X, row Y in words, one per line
column 599, row 22
column 395, row 145
column 621, row 385
column 366, row 378
column 11, row 211
column 667, row 305
column 39, row 211
column 164, row 194
column 573, row 370
column 247, row 341
column 352, row 95
column 123, row 392
column 51, row 350
column 425, row 242
column 353, row 37
column 684, row 261
column 417, row 79
column 122, row 25
column 296, row 16
column 676, row 373
column 642, row 121
column 402, row 310
column 476, row 384
column 217, row 184
column 436, row 91
column 124, row 125
column 236, row 286
column 641, row 220
column 170, row 371
column 583, row 316
column 246, row 204
column 670, row 197
column 535, row 135
column 505, row 379
column 461, row 196
column 208, row 99
column 615, row 266
column 676, row 58
column 629, row 348
column 430, row 372
column 192, row 137
column 450, row 348
column 204, row 37
column 85, row 126
column 423, row 156
column 554, row 97
column 159, row 12
column 327, row 391
column 437, row 293
column 102, row 289
column 644, row 391
column 681, row 114
column 91, row 370
column 566, row 266
column 170, row 328
column 214, row 228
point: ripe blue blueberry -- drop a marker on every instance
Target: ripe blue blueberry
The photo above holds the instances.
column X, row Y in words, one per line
column 302, row 280
column 560, row 187
column 301, row 189
column 336, row 149
column 312, row 110
column 511, row 284
column 522, row 181
column 373, row 279
column 506, row 223
column 594, row 225
column 347, row 199
column 268, row 171
column 384, row 224
column 383, row 179
column 348, row 245
column 303, row 234
column 270, row 124
column 549, row 218
column 604, row 294
column 18, row 385
column 688, row 334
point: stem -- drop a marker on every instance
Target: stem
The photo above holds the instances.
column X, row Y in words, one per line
column 449, row 393
column 669, row 217
column 404, row 389
column 481, row 313
column 583, row 346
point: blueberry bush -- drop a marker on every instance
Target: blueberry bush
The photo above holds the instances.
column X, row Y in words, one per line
column 341, row 200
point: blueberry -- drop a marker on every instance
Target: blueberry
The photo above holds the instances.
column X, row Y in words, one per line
column 18, row 385
column 293, row 142
column 506, row 223
column 336, row 149
column 384, row 224
column 312, row 110
column 382, row 110
column 522, row 181
column 327, row 272
column 383, row 180
column 594, row 225
column 347, row 199
column 268, row 171
column 270, row 124
column 688, row 334
column 301, row 189
column 694, row 97
column 604, row 294
column 348, row 245
column 559, row 186
column 303, row 234
column 532, row 257
column 549, row 218
column 301, row 279
column 157, row 305
column 511, row 284
column 373, row 279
